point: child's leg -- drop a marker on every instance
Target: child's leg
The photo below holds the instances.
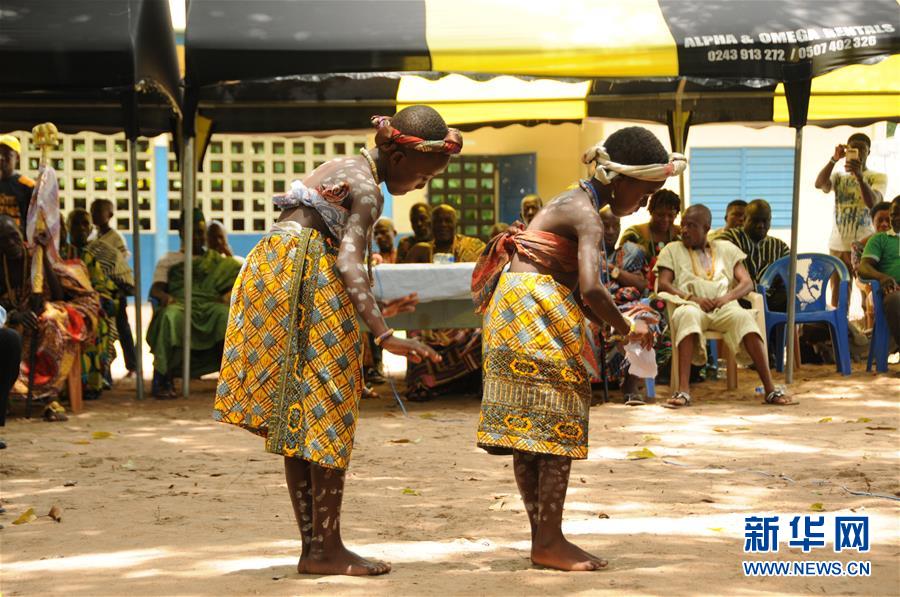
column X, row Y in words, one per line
column 550, row 548
column 327, row 553
column 525, row 466
column 299, row 482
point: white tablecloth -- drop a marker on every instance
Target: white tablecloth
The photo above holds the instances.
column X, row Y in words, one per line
column 432, row 282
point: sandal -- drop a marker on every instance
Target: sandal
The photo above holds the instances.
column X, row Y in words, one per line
column 678, row 400
column 55, row 413
column 777, row 397
column 369, row 394
column 634, row 400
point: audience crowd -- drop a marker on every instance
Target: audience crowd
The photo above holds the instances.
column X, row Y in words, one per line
column 685, row 278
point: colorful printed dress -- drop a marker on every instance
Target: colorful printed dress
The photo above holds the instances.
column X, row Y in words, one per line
column 292, row 367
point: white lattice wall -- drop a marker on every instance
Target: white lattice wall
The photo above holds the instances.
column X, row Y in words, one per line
column 92, row 166
column 240, row 175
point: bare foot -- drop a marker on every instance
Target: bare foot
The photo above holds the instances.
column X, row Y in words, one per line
column 563, row 555
column 343, row 562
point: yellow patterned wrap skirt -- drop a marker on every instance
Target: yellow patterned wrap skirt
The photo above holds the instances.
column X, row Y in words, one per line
column 292, row 367
column 537, row 393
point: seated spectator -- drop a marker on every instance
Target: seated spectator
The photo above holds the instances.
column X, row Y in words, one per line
column 881, row 261
column 97, row 356
column 58, row 325
column 445, row 240
column 460, row 349
column 761, row 249
column 881, row 219
column 217, row 240
column 110, row 251
column 420, row 220
column 652, row 236
column 704, row 280
column 384, row 234
column 15, row 188
column 734, row 217
column 530, row 206
column 11, row 349
column 213, row 276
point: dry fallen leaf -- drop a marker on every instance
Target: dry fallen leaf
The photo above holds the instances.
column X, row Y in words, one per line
column 650, row 438
column 408, row 491
column 881, row 428
column 641, row 454
column 82, row 442
column 861, row 420
column 817, row 507
column 603, row 515
column 26, row 517
column 497, row 505
column 128, row 466
column 55, row 513
column 70, row 483
column 399, row 441
column 825, row 420
column 716, row 529
column 101, row 435
column 428, row 416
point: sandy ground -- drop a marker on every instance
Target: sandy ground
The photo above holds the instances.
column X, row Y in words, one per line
column 172, row 503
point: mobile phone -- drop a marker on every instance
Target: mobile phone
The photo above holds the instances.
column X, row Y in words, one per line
column 851, row 153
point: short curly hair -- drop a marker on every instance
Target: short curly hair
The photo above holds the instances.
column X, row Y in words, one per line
column 635, row 146
column 421, row 121
column 664, row 198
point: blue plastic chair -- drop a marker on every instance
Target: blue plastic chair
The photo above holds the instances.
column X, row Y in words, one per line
column 878, row 346
column 814, row 270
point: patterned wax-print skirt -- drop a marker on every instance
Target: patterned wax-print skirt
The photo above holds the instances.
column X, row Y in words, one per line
column 537, row 393
column 292, row 365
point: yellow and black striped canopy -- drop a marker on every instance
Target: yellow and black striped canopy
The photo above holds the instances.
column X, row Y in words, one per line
column 564, row 60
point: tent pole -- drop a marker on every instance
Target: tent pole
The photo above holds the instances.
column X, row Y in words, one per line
column 187, row 194
column 678, row 126
column 136, row 252
column 792, row 282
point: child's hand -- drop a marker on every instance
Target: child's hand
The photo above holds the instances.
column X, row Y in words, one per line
column 642, row 334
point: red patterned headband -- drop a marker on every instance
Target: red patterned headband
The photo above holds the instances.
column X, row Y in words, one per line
column 387, row 135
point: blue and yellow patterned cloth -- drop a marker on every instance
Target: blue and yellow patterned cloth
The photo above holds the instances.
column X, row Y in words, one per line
column 292, row 365
column 537, row 393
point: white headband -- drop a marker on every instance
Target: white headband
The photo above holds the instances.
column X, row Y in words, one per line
column 608, row 170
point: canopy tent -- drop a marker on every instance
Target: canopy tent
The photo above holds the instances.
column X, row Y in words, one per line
column 105, row 66
column 728, row 50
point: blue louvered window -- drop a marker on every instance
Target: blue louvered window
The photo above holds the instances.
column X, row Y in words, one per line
column 721, row 174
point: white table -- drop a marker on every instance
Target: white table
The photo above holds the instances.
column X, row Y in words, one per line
column 445, row 295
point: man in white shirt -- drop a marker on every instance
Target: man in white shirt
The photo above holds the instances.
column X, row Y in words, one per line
column 704, row 279
column 855, row 192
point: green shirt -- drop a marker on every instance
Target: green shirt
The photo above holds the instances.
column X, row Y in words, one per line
column 884, row 249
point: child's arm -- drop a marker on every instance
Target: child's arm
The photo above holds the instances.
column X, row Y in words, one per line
column 351, row 259
column 589, row 227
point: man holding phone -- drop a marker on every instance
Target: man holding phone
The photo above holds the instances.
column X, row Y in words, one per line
column 856, row 190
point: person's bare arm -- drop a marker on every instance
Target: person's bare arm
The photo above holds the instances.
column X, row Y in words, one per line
column 351, row 265
column 868, row 269
column 589, row 228
column 631, row 279
column 742, row 288
column 823, row 179
column 869, row 195
column 665, row 282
